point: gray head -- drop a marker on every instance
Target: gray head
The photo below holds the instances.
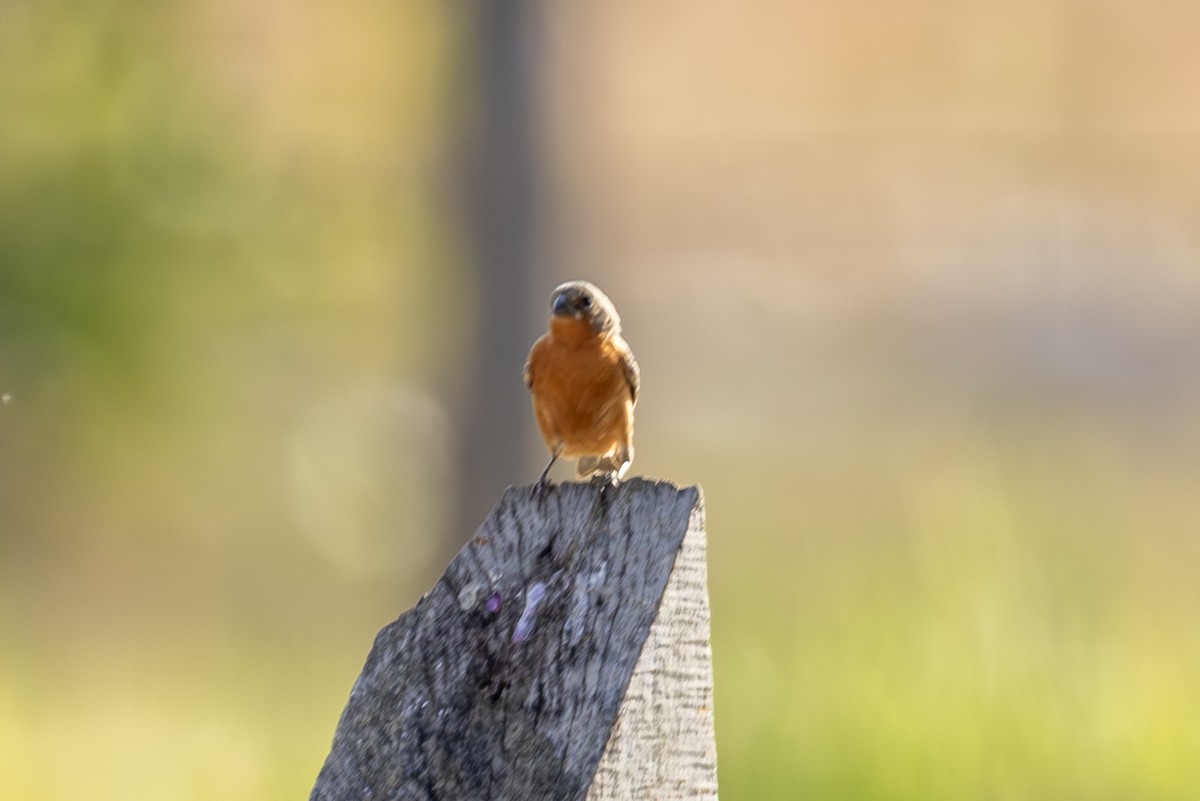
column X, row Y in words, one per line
column 581, row 300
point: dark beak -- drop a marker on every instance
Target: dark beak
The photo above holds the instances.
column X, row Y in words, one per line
column 562, row 306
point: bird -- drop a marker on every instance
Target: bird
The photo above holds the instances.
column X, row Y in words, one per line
column 584, row 383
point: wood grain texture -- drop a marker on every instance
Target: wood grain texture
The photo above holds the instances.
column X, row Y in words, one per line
column 507, row 678
column 663, row 746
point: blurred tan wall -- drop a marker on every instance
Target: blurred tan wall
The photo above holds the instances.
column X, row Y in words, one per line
column 987, row 193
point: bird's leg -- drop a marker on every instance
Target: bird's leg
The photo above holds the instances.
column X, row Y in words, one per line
column 543, row 481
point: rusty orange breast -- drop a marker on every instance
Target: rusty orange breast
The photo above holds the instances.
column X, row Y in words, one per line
column 581, row 397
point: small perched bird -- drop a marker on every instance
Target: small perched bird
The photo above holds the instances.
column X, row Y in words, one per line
column 585, row 382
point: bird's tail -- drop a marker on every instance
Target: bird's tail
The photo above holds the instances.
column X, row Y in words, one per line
column 611, row 463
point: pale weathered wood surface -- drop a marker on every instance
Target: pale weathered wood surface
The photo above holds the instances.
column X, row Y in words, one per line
column 506, row 680
column 663, row 746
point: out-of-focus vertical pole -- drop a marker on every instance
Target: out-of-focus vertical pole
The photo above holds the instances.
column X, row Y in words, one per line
column 502, row 179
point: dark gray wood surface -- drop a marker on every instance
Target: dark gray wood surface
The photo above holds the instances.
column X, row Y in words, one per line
column 506, row 679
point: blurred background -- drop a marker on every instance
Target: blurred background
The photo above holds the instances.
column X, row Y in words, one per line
column 915, row 290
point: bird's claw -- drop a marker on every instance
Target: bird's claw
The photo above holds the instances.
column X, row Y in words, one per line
column 542, row 488
column 606, row 481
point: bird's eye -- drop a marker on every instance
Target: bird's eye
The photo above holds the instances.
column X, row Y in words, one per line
column 585, row 301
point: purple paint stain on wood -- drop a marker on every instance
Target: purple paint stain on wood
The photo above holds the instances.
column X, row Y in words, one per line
column 492, row 604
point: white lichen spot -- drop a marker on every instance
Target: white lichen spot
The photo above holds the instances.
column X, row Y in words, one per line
column 528, row 619
column 585, row 589
column 468, row 596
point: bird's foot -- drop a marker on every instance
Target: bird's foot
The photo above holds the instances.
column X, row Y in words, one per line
column 606, row 481
column 542, row 488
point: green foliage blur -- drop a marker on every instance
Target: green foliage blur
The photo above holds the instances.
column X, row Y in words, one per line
column 220, row 259
column 915, row 291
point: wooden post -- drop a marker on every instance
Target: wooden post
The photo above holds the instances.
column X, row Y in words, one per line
column 502, row 161
column 564, row 655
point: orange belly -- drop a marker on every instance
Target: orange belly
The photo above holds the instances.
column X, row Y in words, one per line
column 581, row 397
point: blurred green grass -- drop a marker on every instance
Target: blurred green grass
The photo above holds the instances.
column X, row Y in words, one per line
column 973, row 616
column 993, row 617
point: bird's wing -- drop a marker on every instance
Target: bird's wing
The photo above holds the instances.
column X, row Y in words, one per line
column 633, row 374
column 528, row 371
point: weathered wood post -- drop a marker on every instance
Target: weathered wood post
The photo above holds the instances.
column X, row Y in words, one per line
column 563, row 655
